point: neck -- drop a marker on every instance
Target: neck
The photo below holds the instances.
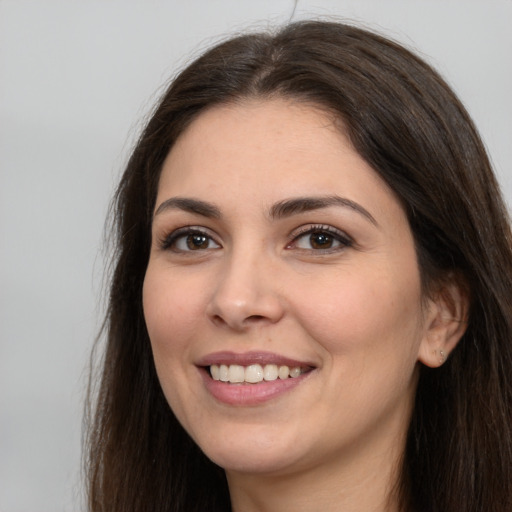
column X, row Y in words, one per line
column 354, row 486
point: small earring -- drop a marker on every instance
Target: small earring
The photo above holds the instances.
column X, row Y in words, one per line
column 442, row 356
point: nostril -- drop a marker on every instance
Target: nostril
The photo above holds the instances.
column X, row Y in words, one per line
column 254, row 318
column 218, row 319
column 241, row 323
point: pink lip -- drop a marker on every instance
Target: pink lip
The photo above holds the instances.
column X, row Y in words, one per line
column 248, row 358
column 249, row 394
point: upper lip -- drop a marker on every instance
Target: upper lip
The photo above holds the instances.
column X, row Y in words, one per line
column 248, row 358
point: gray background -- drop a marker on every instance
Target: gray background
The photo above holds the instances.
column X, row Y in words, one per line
column 76, row 79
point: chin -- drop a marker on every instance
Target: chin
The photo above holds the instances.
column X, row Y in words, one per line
column 252, row 453
column 252, row 463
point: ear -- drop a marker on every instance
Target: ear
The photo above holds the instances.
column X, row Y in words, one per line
column 445, row 322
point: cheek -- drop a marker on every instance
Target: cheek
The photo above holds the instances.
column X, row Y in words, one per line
column 172, row 317
column 172, row 312
column 364, row 312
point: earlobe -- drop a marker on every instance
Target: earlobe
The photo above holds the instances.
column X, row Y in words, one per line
column 445, row 323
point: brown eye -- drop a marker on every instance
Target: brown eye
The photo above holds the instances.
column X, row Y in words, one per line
column 197, row 241
column 189, row 240
column 320, row 240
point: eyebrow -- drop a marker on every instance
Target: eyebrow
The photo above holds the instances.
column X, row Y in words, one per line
column 279, row 210
column 299, row 205
column 189, row 205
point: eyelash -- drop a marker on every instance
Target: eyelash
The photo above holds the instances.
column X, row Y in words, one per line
column 169, row 242
column 338, row 236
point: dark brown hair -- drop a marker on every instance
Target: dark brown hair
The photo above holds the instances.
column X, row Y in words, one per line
column 408, row 125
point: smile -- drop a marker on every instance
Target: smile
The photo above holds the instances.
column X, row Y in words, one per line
column 254, row 373
column 251, row 378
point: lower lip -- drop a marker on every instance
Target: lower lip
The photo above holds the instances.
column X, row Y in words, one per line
column 250, row 394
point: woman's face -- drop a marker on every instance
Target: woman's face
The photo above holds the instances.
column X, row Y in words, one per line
column 282, row 296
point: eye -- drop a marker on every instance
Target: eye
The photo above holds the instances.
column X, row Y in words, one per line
column 189, row 239
column 320, row 238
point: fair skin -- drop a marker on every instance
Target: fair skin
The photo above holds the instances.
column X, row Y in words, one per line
column 243, row 270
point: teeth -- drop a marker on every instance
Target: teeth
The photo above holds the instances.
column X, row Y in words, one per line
column 215, row 372
column 223, row 373
column 254, row 373
column 284, row 372
column 295, row 372
column 270, row 372
column 236, row 373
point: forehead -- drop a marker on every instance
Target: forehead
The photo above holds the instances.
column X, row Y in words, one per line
column 269, row 149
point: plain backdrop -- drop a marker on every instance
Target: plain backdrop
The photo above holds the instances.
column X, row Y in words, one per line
column 76, row 80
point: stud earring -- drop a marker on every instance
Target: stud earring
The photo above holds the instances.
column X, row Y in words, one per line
column 442, row 356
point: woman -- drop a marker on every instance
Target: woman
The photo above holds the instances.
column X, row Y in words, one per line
column 311, row 301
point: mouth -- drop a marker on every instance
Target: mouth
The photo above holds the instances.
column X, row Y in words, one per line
column 255, row 373
column 251, row 378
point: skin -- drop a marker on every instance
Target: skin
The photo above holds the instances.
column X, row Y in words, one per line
column 354, row 311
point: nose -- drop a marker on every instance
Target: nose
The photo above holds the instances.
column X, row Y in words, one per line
column 246, row 294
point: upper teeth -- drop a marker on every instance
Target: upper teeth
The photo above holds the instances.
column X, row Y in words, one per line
column 253, row 373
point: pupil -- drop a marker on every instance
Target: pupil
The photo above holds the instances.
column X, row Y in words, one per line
column 197, row 242
column 320, row 240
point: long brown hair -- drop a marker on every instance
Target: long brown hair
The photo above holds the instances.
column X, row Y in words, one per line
column 409, row 126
